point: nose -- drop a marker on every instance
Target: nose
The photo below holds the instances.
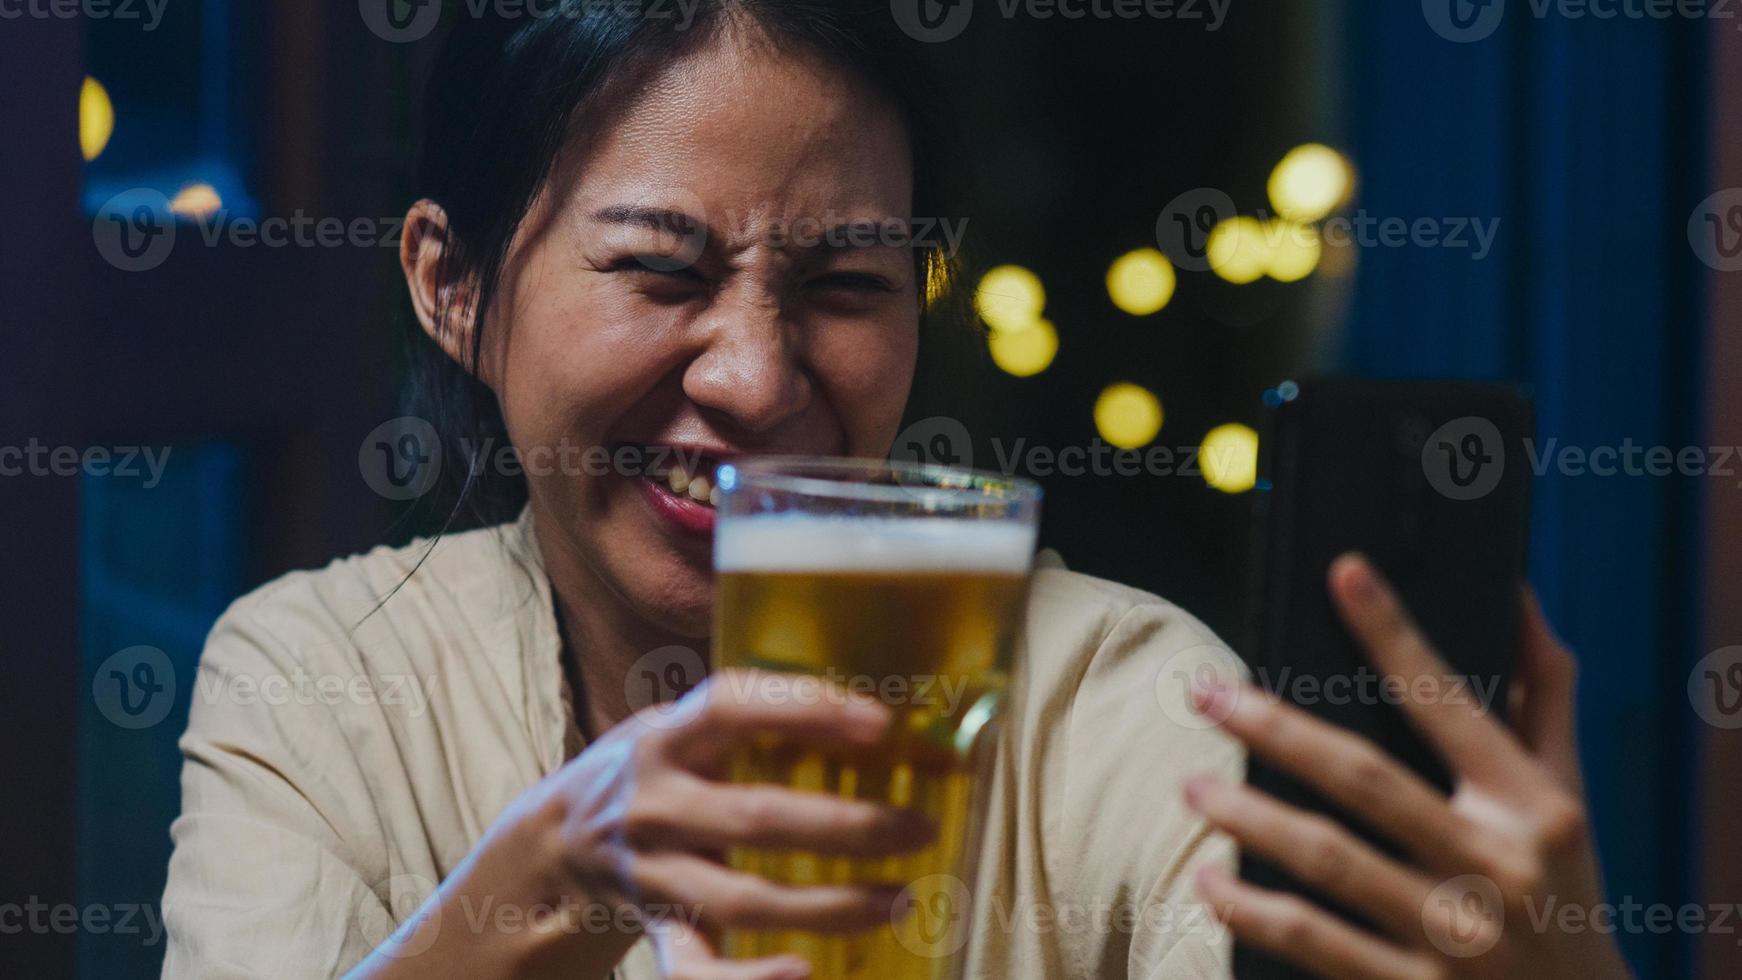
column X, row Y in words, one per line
column 750, row 369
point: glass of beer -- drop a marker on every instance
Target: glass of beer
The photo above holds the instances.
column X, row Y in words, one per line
column 906, row 583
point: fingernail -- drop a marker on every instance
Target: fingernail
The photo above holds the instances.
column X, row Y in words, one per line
column 1211, row 697
column 1198, row 788
column 1357, row 575
column 868, row 713
column 1209, row 877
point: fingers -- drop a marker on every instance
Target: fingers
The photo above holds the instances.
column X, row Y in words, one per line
column 1548, row 676
column 1470, row 740
column 727, row 899
column 735, row 704
column 704, row 816
column 1346, row 768
column 686, row 954
column 1318, row 852
column 1295, row 929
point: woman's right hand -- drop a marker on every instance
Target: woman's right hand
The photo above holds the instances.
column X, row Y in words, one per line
column 630, row 836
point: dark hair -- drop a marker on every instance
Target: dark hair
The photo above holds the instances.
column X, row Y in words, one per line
column 505, row 96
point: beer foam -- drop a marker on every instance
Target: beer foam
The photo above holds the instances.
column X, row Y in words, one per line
column 809, row 543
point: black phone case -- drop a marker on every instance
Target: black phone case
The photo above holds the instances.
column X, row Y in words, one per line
column 1431, row 480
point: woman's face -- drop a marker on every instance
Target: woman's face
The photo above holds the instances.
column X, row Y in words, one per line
column 674, row 297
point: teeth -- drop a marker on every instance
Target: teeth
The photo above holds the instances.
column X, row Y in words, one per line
column 678, row 479
column 699, row 489
column 714, row 497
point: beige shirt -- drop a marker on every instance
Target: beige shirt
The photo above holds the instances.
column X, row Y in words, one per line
column 341, row 759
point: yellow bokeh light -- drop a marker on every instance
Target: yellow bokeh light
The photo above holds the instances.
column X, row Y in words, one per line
column 1025, row 351
column 1238, row 249
column 1128, row 416
column 1293, row 250
column 96, row 119
column 196, row 201
column 1229, row 458
column 1310, row 182
column 1009, row 298
column 1141, row 281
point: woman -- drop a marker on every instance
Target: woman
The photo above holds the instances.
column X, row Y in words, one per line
column 598, row 262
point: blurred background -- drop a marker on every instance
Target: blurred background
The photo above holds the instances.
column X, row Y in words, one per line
column 1176, row 208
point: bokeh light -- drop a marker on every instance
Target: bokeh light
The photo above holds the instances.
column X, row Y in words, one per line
column 1009, row 297
column 1238, row 249
column 1229, row 458
column 96, row 119
column 1293, row 250
column 196, row 201
column 1309, row 183
column 1025, row 351
column 1127, row 415
column 1141, row 281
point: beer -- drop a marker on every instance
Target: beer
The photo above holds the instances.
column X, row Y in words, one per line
column 919, row 611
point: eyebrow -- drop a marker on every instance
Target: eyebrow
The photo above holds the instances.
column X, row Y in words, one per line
column 657, row 219
column 832, row 238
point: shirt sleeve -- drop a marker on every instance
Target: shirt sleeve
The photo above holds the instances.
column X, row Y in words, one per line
column 272, row 873
column 1133, row 741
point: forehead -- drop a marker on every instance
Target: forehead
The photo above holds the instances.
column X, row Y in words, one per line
column 747, row 125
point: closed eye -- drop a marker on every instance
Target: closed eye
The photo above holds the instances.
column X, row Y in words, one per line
column 854, row 281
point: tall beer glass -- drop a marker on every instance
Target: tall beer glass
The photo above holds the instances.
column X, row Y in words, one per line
column 905, row 582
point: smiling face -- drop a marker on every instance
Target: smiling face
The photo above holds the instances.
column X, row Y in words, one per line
column 674, row 289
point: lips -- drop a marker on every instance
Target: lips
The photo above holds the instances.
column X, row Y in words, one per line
column 680, row 485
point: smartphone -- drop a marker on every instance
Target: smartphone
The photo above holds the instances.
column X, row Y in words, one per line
column 1429, row 479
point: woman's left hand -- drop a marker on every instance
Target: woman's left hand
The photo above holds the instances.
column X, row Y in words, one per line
column 1489, row 870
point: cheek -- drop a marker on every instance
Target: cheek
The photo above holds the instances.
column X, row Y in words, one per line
column 578, row 359
column 866, row 375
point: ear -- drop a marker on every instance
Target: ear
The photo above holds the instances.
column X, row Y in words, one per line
column 445, row 305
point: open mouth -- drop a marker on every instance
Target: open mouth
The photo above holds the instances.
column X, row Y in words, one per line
column 687, row 474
